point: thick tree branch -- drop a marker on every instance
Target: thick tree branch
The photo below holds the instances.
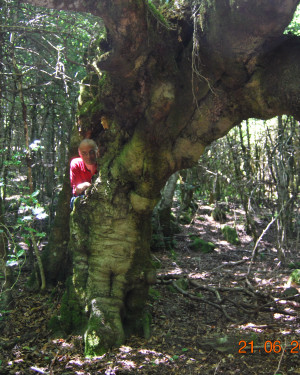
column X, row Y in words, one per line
column 126, row 23
column 232, row 32
column 243, row 67
column 274, row 89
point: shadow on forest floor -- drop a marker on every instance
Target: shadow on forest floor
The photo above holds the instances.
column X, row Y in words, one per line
column 246, row 325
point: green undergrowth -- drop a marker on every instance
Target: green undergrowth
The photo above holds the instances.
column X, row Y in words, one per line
column 198, row 244
column 295, row 276
column 71, row 317
column 230, row 235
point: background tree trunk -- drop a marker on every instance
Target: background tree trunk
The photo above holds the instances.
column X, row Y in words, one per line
column 6, row 285
column 165, row 205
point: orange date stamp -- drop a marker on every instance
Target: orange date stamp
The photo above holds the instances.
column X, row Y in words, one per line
column 269, row 347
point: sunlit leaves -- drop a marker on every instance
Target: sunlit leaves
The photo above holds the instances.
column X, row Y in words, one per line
column 36, row 145
column 39, row 213
column 31, row 208
column 294, row 26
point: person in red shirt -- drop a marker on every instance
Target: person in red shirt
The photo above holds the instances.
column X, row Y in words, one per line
column 82, row 169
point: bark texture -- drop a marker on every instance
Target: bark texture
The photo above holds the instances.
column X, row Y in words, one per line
column 160, row 87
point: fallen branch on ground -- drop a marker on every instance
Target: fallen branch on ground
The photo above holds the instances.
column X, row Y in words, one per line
column 246, row 301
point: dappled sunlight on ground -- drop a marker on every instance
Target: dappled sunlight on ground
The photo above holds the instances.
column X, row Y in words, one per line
column 189, row 336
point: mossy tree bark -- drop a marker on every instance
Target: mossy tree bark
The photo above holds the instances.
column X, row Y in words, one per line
column 112, row 265
column 159, row 89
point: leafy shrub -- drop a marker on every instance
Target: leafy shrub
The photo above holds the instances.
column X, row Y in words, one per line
column 154, row 294
column 295, row 276
column 230, row 235
column 219, row 214
column 200, row 245
column 294, row 265
column 185, row 218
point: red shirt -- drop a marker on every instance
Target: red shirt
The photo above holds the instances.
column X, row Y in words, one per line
column 79, row 173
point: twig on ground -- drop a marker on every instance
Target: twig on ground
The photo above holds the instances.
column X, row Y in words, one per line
column 280, row 359
column 257, row 242
column 231, row 264
column 217, row 368
column 263, row 233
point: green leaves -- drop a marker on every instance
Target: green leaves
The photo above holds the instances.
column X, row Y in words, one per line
column 295, row 276
column 175, row 356
column 15, row 160
column 32, row 211
column 294, row 26
column 14, row 258
column 31, row 208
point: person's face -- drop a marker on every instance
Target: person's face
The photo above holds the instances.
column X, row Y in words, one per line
column 87, row 154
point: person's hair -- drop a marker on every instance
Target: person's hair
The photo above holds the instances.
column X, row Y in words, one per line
column 89, row 142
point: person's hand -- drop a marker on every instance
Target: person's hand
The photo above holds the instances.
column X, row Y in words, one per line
column 80, row 188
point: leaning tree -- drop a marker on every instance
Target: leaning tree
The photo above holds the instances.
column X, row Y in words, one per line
column 160, row 87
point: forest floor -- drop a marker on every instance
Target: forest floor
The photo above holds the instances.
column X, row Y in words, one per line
column 213, row 313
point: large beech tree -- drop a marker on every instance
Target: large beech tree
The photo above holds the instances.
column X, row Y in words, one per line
column 160, row 87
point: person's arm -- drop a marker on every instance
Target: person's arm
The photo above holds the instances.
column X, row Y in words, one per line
column 77, row 183
column 80, row 188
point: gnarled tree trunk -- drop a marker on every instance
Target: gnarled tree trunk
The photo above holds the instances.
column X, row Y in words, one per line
column 112, row 266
